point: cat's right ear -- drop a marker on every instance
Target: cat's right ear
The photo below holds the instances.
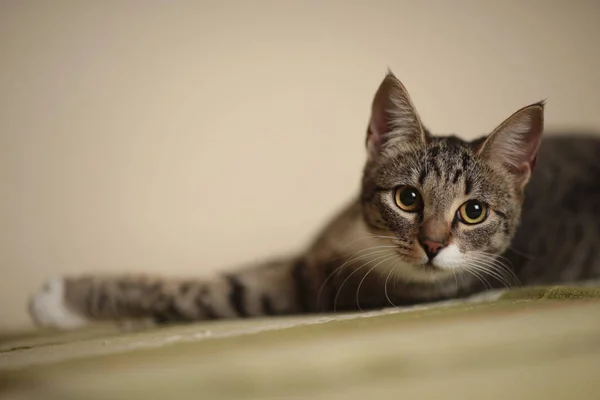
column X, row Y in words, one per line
column 394, row 119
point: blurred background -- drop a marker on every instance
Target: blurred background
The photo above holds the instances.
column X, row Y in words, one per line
column 186, row 137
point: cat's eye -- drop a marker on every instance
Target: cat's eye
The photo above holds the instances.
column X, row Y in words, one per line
column 408, row 198
column 472, row 212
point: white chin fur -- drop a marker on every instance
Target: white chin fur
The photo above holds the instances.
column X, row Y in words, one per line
column 449, row 258
column 48, row 308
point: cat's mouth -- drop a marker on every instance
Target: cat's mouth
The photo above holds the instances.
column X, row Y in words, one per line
column 418, row 262
column 413, row 256
column 429, row 266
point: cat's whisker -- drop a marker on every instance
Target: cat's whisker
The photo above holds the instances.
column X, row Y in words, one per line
column 485, row 258
column 499, row 257
column 499, row 266
column 381, row 236
column 363, row 250
column 490, row 256
column 375, row 250
column 385, row 287
column 455, row 278
column 370, row 248
column 356, row 257
column 371, row 251
column 459, row 271
column 368, row 236
column 365, row 277
column 468, row 268
column 488, row 269
column 496, row 261
column 337, row 295
column 493, row 256
column 508, row 271
column 520, row 253
column 385, row 237
column 353, row 258
column 461, row 274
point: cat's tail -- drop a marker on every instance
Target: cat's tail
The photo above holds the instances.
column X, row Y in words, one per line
column 276, row 288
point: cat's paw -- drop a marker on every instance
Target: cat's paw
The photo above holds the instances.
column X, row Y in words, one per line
column 48, row 307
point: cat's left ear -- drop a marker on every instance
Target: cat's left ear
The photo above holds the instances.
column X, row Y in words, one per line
column 514, row 144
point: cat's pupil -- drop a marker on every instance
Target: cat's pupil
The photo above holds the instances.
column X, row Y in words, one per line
column 409, row 197
column 473, row 209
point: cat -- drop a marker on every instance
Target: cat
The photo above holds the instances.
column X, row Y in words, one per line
column 436, row 218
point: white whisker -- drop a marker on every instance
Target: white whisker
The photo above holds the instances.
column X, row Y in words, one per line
column 385, row 289
column 499, row 265
column 353, row 258
column 349, row 276
column 468, row 268
column 365, row 277
column 366, row 237
column 373, row 235
column 455, row 278
column 489, row 270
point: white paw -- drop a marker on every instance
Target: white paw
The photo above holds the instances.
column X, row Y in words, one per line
column 48, row 308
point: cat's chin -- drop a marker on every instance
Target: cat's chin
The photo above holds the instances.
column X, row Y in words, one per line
column 421, row 271
column 449, row 258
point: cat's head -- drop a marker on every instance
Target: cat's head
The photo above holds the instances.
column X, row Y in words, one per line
column 445, row 203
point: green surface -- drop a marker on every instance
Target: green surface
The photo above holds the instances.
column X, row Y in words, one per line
column 528, row 343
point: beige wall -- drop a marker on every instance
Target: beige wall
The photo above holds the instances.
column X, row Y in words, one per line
column 185, row 137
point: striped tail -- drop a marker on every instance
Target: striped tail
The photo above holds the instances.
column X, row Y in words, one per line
column 275, row 288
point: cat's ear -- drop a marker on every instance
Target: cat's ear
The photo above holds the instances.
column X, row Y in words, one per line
column 514, row 144
column 394, row 118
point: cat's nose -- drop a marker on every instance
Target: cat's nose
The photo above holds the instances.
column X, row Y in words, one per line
column 432, row 247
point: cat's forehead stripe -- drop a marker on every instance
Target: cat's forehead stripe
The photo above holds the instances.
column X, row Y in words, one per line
column 449, row 158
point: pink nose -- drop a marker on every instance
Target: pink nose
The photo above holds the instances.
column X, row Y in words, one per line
column 432, row 247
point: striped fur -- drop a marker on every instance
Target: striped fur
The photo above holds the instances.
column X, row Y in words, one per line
column 539, row 230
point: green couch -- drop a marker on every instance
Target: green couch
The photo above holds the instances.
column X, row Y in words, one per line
column 524, row 343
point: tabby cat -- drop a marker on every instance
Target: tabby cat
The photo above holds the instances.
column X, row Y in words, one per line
column 436, row 218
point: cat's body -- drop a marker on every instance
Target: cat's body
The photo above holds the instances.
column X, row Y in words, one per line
column 559, row 234
column 437, row 218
